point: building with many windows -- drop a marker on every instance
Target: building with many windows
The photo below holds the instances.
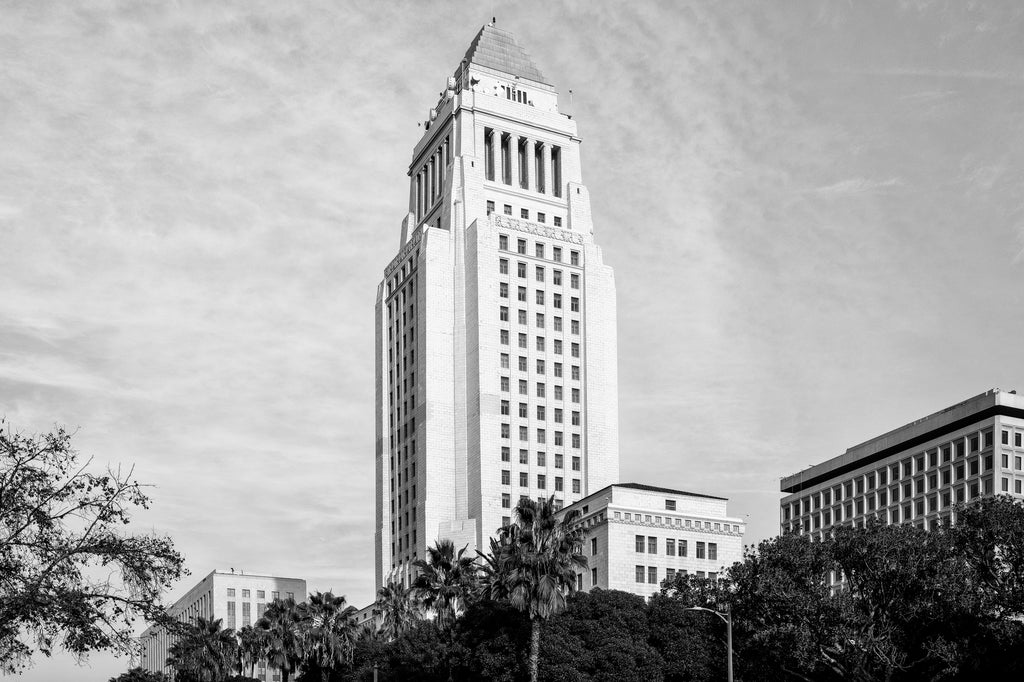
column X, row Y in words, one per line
column 237, row 599
column 495, row 322
column 639, row 535
column 916, row 473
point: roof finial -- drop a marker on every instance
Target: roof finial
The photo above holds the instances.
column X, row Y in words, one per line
column 494, row 20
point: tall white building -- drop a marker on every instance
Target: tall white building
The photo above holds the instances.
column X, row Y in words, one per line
column 496, row 336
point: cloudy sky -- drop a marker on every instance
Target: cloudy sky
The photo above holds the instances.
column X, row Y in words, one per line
column 815, row 212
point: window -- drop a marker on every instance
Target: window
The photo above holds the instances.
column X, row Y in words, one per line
column 523, row 387
column 521, row 317
column 540, row 459
column 261, row 594
column 520, row 244
column 524, row 479
column 504, row 360
column 503, row 266
column 593, row 577
column 521, row 295
column 670, row 547
column 521, row 269
column 506, row 453
column 540, row 390
column 503, row 336
column 506, row 500
column 574, row 257
column 575, row 372
column 652, row 575
column 574, row 281
column 641, row 544
column 504, row 407
column 540, row 297
column 503, row 315
column 575, row 463
column 558, row 346
column 504, row 384
column 593, row 546
column 522, row 340
column 540, row 413
column 713, row 551
column 522, row 368
column 540, row 366
column 575, row 350
column 639, row 574
column 539, row 274
column 538, row 250
column 503, row 289
column 558, row 460
column 501, row 239
column 524, row 213
column 556, row 253
column 558, row 483
column 556, row 277
column 540, row 343
column 652, row 545
column 507, row 209
column 557, row 300
column 558, row 373
column 524, row 433
column 231, row 592
column 682, row 546
column 540, row 320
column 700, row 550
column 542, row 481
column 576, row 327
column 504, row 430
column 576, row 485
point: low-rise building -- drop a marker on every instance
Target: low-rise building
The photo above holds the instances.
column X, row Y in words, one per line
column 639, row 535
column 237, row 598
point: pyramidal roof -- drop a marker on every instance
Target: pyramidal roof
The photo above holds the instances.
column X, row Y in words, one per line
column 496, row 49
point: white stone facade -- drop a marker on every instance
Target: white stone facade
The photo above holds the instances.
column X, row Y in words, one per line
column 496, row 324
column 639, row 535
column 238, row 599
column 916, row 473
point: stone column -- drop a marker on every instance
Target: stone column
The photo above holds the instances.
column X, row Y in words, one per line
column 513, row 148
column 545, row 172
column 528, row 165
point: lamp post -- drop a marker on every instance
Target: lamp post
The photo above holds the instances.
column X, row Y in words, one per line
column 727, row 618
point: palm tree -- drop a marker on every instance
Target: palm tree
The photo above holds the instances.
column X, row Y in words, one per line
column 445, row 580
column 204, row 652
column 251, row 645
column 282, row 645
column 328, row 631
column 396, row 608
column 533, row 565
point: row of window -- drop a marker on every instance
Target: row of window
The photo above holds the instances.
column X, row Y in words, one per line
column 524, row 458
column 541, row 436
column 539, row 273
column 541, row 412
column 935, row 480
column 260, row 594
column 911, row 509
column 541, row 389
column 1017, row 438
column 539, row 247
column 524, row 213
column 406, row 520
column 541, row 365
column 649, row 545
column 651, row 574
column 540, row 297
column 540, row 343
column 542, row 484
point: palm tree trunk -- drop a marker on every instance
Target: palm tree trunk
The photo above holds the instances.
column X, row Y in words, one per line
column 534, row 648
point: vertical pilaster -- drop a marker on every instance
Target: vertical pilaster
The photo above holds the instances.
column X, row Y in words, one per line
column 544, row 175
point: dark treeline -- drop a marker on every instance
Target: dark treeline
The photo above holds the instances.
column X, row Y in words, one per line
column 914, row 605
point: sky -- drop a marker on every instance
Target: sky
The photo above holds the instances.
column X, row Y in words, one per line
column 814, row 210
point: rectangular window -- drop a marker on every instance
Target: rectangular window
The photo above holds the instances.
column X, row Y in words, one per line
column 540, row 297
column 652, row 545
column 506, row 453
column 700, row 550
column 639, row 574
column 713, row 551
column 670, row 547
column 556, row 277
column 524, row 479
column 521, row 243
column 542, row 481
column 502, row 238
column 641, row 544
column 558, row 483
column 652, row 575
column 522, row 340
column 556, row 253
column 503, row 314
column 539, row 273
column 541, row 217
column 506, row 500
column 574, row 257
column 540, row 320
column 521, row 269
column 503, row 266
column 503, row 289
column 682, row 546
column 576, row 485
column 490, row 210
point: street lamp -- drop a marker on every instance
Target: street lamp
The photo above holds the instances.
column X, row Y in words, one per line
column 727, row 618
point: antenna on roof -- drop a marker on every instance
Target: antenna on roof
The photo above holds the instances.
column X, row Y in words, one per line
column 494, row 20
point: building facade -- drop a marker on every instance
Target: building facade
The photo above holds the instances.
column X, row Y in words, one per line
column 238, row 599
column 639, row 535
column 916, row 473
column 495, row 322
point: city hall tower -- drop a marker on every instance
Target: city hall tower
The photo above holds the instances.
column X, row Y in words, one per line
column 495, row 321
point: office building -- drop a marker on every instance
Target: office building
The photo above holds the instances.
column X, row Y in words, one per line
column 916, row 473
column 495, row 320
column 237, row 599
column 639, row 535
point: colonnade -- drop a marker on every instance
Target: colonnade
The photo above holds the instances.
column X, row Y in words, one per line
column 522, row 162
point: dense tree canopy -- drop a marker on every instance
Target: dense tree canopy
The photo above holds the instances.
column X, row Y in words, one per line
column 70, row 573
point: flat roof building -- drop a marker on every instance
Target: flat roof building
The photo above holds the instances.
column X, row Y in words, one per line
column 238, row 599
column 638, row 535
column 916, row 473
